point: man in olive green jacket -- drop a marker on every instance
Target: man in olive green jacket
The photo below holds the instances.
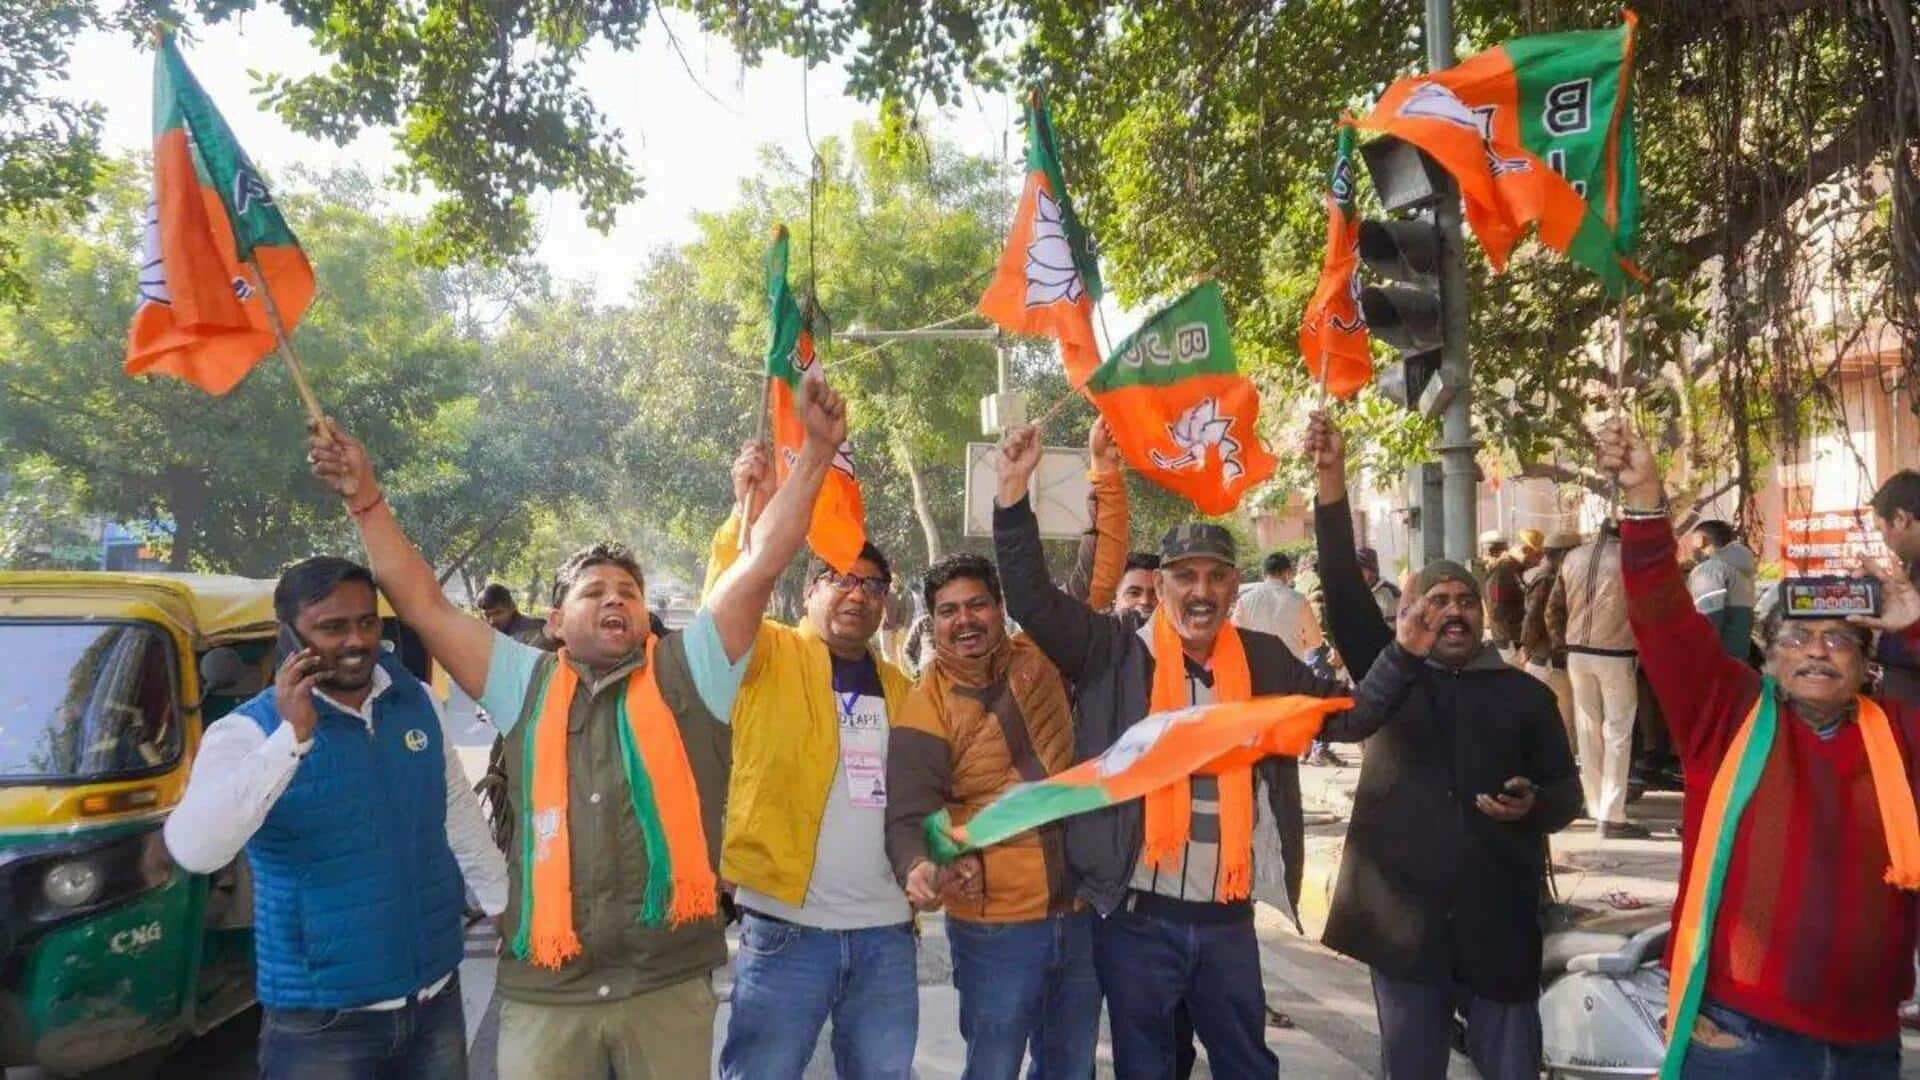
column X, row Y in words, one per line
column 627, row 991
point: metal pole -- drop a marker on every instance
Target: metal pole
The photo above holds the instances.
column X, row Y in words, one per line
column 1459, row 491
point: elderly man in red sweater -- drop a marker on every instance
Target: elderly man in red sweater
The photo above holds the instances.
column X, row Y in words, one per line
column 1793, row 938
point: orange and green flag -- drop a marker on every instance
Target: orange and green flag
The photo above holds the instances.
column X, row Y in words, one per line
column 1536, row 131
column 839, row 527
column 214, row 244
column 1162, row 749
column 1048, row 279
column 1179, row 408
column 1333, row 335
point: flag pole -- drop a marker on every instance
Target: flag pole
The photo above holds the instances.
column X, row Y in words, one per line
column 745, row 506
column 1619, row 383
column 307, row 398
column 1321, row 404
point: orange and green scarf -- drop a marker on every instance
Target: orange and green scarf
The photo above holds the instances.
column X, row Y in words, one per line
column 1170, row 808
column 680, row 880
column 1733, row 788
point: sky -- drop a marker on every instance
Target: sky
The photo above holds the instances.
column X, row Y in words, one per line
column 691, row 150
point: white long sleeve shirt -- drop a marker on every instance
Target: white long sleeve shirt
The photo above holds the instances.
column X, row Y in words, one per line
column 1273, row 608
column 241, row 772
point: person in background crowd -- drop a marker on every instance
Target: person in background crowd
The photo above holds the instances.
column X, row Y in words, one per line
column 1896, row 510
column 619, row 761
column 1493, row 547
column 1722, row 584
column 1506, row 596
column 1590, row 602
column 1178, row 923
column 351, row 803
column 1386, row 595
column 1444, row 865
column 497, row 606
column 1137, row 595
column 1793, row 941
column 1543, row 641
column 1273, row 606
column 825, row 930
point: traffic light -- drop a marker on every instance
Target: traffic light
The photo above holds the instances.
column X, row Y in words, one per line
column 1408, row 312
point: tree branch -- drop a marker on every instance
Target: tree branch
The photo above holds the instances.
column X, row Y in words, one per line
column 1764, row 195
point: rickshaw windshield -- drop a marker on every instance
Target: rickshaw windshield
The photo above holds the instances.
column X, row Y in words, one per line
column 85, row 701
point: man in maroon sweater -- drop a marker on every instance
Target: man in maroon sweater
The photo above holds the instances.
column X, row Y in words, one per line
column 1811, row 950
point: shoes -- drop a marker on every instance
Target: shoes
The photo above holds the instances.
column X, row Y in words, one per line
column 1325, row 756
column 1624, row 830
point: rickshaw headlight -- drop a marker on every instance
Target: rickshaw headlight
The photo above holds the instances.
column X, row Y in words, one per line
column 72, row 884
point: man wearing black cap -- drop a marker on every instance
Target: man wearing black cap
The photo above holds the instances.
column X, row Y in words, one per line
column 1440, row 880
column 1385, row 593
column 1178, row 920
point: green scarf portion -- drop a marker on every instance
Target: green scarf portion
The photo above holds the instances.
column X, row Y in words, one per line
column 1724, row 828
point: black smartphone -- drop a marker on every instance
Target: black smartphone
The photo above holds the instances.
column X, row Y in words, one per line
column 1829, row 597
column 290, row 642
column 1517, row 788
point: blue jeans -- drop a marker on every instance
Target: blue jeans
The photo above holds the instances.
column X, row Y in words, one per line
column 1027, row 985
column 1756, row 1049
column 1149, row 964
column 788, row 979
column 424, row 1040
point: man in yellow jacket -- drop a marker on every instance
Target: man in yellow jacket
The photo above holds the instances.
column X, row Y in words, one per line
column 826, row 930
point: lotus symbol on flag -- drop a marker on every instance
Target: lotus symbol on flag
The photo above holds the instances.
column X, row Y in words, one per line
column 1432, row 101
column 1197, row 429
column 1051, row 275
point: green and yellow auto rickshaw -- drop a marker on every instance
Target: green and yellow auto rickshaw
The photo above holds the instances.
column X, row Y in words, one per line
column 109, row 952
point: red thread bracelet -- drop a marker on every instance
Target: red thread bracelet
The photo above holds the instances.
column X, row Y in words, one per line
column 367, row 509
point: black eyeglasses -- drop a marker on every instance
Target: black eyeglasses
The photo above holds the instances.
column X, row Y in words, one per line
column 875, row 587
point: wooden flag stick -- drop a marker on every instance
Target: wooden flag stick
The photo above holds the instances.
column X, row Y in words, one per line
column 1321, row 402
column 307, row 398
column 1619, row 385
column 745, row 506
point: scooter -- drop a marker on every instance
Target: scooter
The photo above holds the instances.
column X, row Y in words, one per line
column 1603, row 1009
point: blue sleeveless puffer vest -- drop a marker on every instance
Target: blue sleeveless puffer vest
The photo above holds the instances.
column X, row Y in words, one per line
column 357, row 897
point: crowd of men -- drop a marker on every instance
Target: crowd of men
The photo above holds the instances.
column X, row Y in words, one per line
column 658, row 781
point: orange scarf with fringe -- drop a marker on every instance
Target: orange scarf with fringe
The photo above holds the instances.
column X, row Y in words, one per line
column 1170, row 809
column 666, row 802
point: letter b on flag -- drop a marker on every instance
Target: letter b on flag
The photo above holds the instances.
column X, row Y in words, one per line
column 1569, row 107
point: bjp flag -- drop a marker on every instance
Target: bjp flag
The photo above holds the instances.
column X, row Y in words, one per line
column 1333, row 334
column 1048, row 280
column 214, row 243
column 838, row 529
column 1179, row 408
column 1476, row 119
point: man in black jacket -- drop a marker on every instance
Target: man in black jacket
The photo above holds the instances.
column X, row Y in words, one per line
column 1168, row 932
column 1439, row 888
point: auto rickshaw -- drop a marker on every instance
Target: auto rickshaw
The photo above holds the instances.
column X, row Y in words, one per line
column 109, row 952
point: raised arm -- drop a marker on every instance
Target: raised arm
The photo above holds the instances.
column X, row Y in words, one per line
column 753, row 489
column 1353, row 616
column 457, row 641
column 739, row 598
column 1110, row 521
column 1701, row 689
column 1064, row 628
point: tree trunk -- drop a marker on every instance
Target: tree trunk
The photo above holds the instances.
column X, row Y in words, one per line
column 929, row 531
column 187, row 505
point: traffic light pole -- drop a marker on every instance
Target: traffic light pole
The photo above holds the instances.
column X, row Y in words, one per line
column 1459, row 476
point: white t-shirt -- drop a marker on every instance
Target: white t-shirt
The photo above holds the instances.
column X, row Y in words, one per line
column 852, row 886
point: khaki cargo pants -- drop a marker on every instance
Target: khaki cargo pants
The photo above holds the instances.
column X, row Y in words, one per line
column 664, row 1034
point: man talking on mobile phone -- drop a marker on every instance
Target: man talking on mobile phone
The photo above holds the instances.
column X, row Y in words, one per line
column 340, row 783
column 1445, row 859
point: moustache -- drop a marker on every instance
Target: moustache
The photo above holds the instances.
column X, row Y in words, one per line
column 1454, row 623
column 1817, row 669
